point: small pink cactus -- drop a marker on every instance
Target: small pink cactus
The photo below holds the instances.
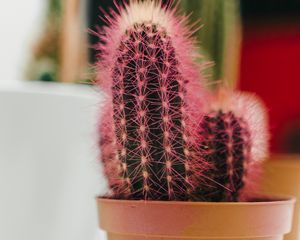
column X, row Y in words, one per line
column 148, row 70
column 234, row 139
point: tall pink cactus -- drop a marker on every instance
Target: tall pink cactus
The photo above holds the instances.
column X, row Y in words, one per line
column 147, row 67
column 234, row 137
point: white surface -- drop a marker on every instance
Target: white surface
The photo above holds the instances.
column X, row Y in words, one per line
column 49, row 174
column 20, row 22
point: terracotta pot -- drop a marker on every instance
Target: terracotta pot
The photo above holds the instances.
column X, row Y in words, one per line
column 282, row 175
column 154, row 220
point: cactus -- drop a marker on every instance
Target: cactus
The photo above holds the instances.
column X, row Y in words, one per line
column 156, row 142
column 147, row 68
column 234, row 139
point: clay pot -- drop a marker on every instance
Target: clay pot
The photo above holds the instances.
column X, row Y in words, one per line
column 282, row 175
column 264, row 219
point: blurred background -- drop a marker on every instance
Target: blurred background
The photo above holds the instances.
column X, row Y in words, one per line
column 253, row 44
column 46, row 94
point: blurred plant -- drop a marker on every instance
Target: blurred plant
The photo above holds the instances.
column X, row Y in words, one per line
column 45, row 60
column 60, row 52
column 219, row 38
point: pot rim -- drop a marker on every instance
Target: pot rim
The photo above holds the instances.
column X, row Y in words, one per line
column 260, row 200
column 268, row 216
